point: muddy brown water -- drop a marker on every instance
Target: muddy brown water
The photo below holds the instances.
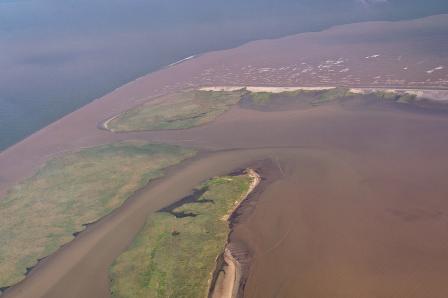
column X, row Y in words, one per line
column 337, row 225
column 362, row 208
column 80, row 268
column 359, row 208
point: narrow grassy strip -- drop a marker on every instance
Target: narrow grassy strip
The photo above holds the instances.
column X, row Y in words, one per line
column 319, row 97
column 396, row 97
column 42, row 213
column 176, row 111
column 260, row 98
column 175, row 253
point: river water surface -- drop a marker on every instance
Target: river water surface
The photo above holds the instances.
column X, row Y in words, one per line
column 56, row 56
column 358, row 206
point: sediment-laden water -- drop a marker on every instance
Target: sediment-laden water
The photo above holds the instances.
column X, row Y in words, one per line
column 355, row 205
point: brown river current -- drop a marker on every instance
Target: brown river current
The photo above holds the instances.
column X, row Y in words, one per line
column 357, row 206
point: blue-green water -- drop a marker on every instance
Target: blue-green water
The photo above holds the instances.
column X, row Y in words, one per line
column 56, row 56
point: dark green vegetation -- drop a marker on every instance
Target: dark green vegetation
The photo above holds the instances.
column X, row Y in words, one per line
column 175, row 253
column 177, row 111
column 407, row 101
column 396, row 97
column 42, row 213
column 299, row 99
column 329, row 95
column 260, row 98
column 266, row 101
column 196, row 107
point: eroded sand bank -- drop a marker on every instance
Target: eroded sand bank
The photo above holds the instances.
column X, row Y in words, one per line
column 433, row 94
column 228, row 272
column 80, row 268
column 227, row 283
column 264, row 88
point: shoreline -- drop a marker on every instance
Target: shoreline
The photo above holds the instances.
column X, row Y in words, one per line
column 437, row 95
column 227, row 277
column 45, row 278
column 84, row 225
column 105, row 124
column 78, row 130
column 168, row 171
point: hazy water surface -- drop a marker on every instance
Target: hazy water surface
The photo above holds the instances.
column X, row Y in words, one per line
column 56, row 56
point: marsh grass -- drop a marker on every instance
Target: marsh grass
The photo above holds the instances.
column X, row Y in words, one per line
column 40, row 214
column 260, row 98
column 174, row 257
column 177, row 111
column 396, row 97
column 329, row 95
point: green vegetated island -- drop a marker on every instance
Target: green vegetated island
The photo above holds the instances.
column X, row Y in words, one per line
column 43, row 212
column 176, row 111
column 192, row 108
column 176, row 252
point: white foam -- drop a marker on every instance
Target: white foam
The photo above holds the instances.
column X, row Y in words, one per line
column 182, row 60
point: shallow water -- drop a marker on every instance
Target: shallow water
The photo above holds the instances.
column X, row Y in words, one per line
column 58, row 56
column 349, row 225
column 80, row 268
column 357, row 207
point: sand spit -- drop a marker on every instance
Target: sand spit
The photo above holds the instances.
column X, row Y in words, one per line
column 432, row 94
column 105, row 124
column 436, row 95
column 265, row 89
column 226, row 278
column 229, row 278
column 288, row 58
column 254, row 183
